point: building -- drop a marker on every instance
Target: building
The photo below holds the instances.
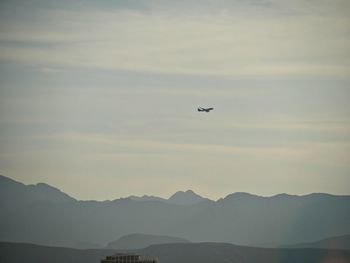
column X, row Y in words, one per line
column 129, row 258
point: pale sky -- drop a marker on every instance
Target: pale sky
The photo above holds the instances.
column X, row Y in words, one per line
column 99, row 98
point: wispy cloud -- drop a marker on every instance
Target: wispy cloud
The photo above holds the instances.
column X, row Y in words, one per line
column 218, row 43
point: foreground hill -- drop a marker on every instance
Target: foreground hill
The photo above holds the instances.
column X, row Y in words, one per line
column 137, row 241
column 341, row 242
column 29, row 253
column 223, row 253
column 42, row 214
column 174, row 253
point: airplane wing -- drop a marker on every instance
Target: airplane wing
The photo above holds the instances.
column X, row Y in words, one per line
column 205, row 109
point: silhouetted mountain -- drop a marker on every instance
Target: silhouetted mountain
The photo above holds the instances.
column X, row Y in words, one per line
column 174, row 253
column 186, row 198
column 147, row 198
column 340, row 242
column 180, row 198
column 137, row 241
column 29, row 253
column 223, row 253
column 44, row 215
column 240, row 195
column 14, row 195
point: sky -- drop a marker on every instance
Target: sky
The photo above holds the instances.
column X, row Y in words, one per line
column 99, row 98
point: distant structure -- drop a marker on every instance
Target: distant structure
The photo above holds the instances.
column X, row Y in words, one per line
column 129, row 258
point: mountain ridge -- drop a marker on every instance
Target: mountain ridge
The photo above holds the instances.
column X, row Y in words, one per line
column 29, row 214
column 139, row 241
column 186, row 198
column 145, row 197
column 173, row 253
column 336, row 242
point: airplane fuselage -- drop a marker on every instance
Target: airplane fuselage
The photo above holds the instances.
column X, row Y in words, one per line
column 204, row 109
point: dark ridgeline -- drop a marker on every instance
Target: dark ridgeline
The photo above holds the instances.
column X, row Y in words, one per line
column 174, row 253
column 137, row 241
column 42, row 214
column 223, row 253
column 28, row 253
column 340, row 242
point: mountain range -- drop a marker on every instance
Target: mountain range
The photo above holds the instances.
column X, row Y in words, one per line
column 173, row 253
column 138, row 241
column 339, row 242
column 179, row 198
column 42, row 214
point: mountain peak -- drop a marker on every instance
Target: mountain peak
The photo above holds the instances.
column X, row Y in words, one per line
column 239, row 196
column 188, row 192
column 11, row 189
column 44, row 186
column 185, row 198
column 49, row 192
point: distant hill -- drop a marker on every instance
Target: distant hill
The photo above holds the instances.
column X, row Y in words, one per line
column 340, row 242
column 147, row 198
column 40, row 192
column 14, row 195
column 174, row 253
column 224, row 253
column 137, row 241
column 179, row 198
column 29, row 253
column 186, row 198
column 42, row 214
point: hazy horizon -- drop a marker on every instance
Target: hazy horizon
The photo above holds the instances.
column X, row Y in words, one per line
column 99, row 98
column 168, row 195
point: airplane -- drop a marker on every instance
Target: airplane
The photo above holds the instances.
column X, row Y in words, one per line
column 205, row 109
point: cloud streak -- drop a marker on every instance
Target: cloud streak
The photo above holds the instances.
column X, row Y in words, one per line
column 228, row 44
